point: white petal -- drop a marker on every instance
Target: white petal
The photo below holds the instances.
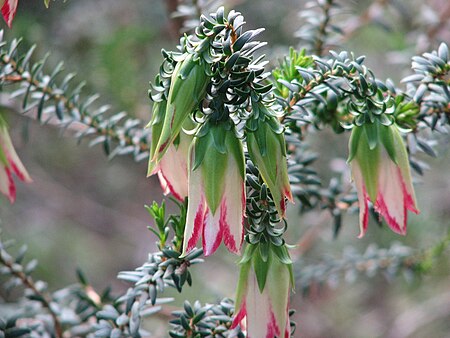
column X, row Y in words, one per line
column 362, row 198
column 195, row 212
column 173, row 167
column 278, row 287
column 390, row 199
column 233, row 207
column 258, row 311
column 212, row 233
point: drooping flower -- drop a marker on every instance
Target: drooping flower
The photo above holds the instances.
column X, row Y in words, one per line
column 267, row 149
column 262, row 300
column 172, row 169
column 381, row 173
column 187, row 89
column 216, row 191
column 9, row 8
column 9, row 164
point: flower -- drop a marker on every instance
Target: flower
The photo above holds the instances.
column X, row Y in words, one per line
column 187, row 89
column 264, row 311
column 9, row 163
column 267, row 149
column 381, row 173
column 9, row 8
column 172, row 170
column 216, row 191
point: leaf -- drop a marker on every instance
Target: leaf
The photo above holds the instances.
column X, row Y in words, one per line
column 261, row 269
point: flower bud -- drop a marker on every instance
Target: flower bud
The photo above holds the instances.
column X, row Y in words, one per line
column 187, row 89
column 267, row 150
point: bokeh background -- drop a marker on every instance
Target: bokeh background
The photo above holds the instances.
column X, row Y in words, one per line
column 85, row 211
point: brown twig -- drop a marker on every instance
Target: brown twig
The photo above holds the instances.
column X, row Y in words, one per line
column 28, row 282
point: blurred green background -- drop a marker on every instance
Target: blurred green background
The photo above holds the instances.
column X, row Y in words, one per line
column 85, row 211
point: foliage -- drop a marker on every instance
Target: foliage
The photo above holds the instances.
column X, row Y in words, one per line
column 312, row 90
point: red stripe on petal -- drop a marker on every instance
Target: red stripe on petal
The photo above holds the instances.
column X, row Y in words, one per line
column 288, row 194
column 272, row 327
column 382, row 208
column 198, row 226
column 228, row 238
column 9, row 12
column 239, row 317
column 168, row 187
column 217, row 240
column 408, row 199
column 11, row 186
column 365, row 211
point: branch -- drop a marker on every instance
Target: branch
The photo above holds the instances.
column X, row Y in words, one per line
column 54, row 102
column 15, row 269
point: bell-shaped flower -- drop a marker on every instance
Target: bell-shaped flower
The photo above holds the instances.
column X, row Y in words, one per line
column 380, row 170
column 9, row 8
column 9, row 163
column 262, row 300
column 267, row 149
column 187, row 89
column 172, row 170
column 216, row 205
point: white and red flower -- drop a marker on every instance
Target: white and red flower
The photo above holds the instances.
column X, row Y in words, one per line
column 172, row 170
column 9, row 8
column 216, row 204
column 382, row 175
column 9, row 164
column 264, row 313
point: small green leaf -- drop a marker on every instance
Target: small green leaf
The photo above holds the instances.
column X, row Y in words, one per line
column 371, row 130
column 261, row 269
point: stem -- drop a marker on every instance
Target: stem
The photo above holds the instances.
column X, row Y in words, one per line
column 85, row 118
column 322, row 33
column 29, row 283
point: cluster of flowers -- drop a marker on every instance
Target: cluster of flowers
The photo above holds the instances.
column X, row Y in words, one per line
column 205, row 162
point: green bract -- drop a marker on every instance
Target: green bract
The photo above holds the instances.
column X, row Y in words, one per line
column 211, row 157
column 156, row 123
column 267, row 150
column 187, row 89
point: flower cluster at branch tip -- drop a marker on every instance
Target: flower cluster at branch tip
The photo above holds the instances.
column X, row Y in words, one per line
column 9, row 8
column 262, row 301
column 9, row 164
column 209, row 102
column 380, row 170
column 209, row 99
